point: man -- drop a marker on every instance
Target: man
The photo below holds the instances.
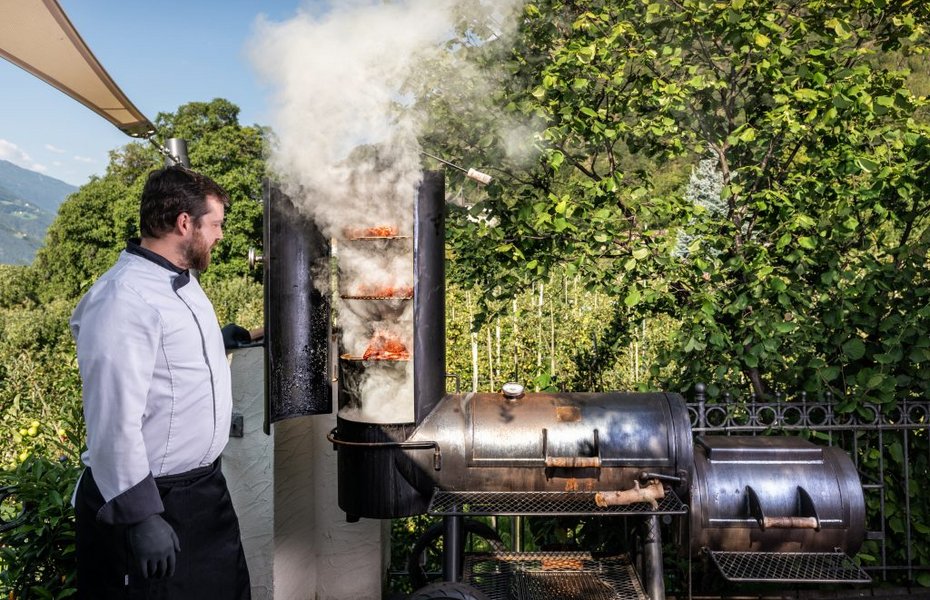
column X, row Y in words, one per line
column 154, row 517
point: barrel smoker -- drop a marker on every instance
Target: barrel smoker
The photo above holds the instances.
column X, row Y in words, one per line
column 755, row 508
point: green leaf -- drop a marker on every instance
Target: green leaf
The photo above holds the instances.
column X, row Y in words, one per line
column 807, row 243
column 854, row 349
column 633, row 298
column 587, row 110
column 896, row 452
column 805, row 94
column 829, row 373
column 784, row 327
column 866, row 164
column 640, row 253
column 586, row 54
column 762, row 40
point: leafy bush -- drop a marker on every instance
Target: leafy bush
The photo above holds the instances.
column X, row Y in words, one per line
column 40, row 398
column 37, row 558
column 236, row 300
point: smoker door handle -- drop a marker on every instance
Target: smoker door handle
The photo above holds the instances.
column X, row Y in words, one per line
column 808, row 518
column 572, row 462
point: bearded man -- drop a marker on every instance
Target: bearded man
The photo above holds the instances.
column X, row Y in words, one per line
column 154, row 516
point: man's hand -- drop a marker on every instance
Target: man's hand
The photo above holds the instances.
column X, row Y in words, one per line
column 153, row 544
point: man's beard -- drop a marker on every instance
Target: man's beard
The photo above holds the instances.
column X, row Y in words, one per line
column 197, row 252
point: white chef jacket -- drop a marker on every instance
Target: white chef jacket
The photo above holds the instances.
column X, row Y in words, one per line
column 156, row 383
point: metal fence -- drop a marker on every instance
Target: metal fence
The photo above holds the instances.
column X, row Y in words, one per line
column 887, row 443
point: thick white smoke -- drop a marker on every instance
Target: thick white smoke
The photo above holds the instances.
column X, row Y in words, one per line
column 345, row 145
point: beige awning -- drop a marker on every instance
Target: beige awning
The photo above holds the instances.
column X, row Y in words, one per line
column 37, row 36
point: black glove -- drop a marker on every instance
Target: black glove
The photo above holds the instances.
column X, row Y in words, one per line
column 153, row 544
column 235, row 336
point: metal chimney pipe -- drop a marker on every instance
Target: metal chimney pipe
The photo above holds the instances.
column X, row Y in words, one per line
column 177, row 153
column 429, row 295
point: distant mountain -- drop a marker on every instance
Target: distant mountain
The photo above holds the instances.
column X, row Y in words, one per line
column 28, row 204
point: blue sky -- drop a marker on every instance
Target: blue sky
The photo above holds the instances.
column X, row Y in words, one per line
column 161, row 54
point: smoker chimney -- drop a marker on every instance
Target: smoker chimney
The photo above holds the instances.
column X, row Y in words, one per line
column 177, row 153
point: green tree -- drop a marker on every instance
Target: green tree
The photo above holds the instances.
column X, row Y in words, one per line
column 93, row 225
column 799, row 280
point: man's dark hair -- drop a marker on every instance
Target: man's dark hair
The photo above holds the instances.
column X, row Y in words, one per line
column 171, row 191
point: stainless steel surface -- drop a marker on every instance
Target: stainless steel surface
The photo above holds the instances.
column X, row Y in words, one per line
column 556, row 442
column 742, row 484
column 255, row 258
column 788, row 567
column 544, row 504
column 553, row 576
column 177, row 153
column 887, row 443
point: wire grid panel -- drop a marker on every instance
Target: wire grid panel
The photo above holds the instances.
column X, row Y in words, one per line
column 553, row 576
column 789, row 567
column 544, row 504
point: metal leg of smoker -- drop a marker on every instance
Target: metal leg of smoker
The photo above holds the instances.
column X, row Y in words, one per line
column 453, row 548
column 652, row 559
column 516, row 540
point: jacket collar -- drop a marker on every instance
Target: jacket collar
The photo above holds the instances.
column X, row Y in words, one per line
column 134, row 246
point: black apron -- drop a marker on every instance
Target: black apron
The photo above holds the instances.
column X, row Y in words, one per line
column 211, row 563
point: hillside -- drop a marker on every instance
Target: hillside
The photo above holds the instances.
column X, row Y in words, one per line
column 28, row 204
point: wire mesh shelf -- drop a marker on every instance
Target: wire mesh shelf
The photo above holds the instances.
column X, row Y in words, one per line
column 553, row 576
column 789, row 567
column 544, row 504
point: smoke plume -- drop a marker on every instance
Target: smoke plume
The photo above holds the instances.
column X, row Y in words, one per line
column 345, row 145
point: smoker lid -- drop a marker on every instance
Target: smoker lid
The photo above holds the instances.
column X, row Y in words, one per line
column 760, row 449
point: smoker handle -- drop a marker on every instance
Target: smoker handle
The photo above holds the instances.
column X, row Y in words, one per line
column 789, row 523
column 807, row 520
column 572, row 462
column 424, row 445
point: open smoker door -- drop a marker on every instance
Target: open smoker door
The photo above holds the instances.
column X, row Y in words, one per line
column 297, row 311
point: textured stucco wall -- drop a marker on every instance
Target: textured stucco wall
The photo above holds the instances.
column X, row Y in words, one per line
column 248, row 466
column 284, row 487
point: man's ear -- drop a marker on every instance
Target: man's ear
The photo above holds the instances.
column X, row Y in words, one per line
column 183, row 223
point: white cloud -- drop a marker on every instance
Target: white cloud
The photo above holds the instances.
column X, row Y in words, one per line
column 54, row 149
column 16, row 155
column 84, row 159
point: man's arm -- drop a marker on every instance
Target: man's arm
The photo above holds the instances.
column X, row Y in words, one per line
column 118, row 337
